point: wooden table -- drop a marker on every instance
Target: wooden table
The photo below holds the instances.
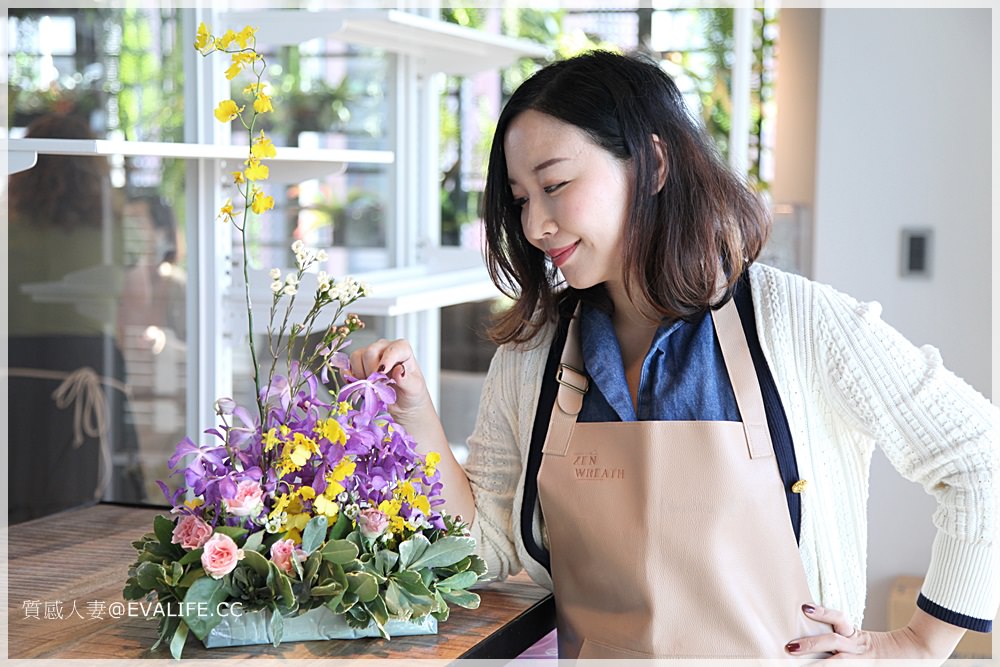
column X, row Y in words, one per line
column 74, row 565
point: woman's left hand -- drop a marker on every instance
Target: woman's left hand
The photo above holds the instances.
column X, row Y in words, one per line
column 924, row 637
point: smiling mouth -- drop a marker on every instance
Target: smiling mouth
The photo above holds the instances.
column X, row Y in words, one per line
column 560, row 255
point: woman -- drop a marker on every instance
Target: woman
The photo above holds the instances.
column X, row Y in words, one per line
column 677, row 442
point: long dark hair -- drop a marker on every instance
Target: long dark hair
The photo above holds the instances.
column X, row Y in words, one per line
column 674, row 241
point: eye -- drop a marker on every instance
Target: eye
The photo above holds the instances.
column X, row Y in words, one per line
column 520, row 202
column 552, row 188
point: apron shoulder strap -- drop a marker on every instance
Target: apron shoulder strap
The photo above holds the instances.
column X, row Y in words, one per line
column 546, row 400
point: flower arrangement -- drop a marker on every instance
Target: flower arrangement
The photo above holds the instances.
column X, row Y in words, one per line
column 315, row 499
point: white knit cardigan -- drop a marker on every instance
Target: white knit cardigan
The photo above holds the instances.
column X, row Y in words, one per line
column 847, row 381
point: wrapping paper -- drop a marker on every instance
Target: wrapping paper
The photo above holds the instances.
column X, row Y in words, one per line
column 316, row 624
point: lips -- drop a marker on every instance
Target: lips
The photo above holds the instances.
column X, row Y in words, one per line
column 560, row 255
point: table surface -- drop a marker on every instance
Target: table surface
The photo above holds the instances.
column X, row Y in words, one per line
column 66, row 571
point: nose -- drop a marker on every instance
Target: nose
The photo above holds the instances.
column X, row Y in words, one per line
column 537, row 221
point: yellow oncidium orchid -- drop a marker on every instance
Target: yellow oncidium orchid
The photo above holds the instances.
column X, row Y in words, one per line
column 262, row 104
column 238, row 177
column 331, row 430
column 343, row 407
column 430, row 462
column 223, row 42
column 344, row 469
column 261, row 202
column 227, row 212
column 406, row 492
column 202, row 38
column 194, row 502
column 244, row 36
column 422, row 504
column 271, row 439
column 397, row 524
column 262, row 147
column 390, row 508
column 284, row 430
column 256, row 171
column 326, row 506
column 227, row 111
column 234, row 70
column 281, row 502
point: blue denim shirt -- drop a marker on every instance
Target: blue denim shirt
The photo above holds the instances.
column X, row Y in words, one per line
column 683, row 378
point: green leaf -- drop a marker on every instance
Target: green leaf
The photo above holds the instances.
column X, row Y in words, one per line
column 340, row 552
column 311, row 568
column 441, row 610
column 411, row 550
column 256, row 561
column 193, row 556
column 376, row 608
column 331, row 588
column 385, row 560
column 179, row 638
column 201, row 606
column 477, row 565
column 234, row 532
column 279, row 582
column 254, row 541
column 444, row 552
column 164, row 530
column 191, row 577
column 461, row 598
column 363, row 585
column 341, row 527
column 167, row 627
column 412, row 582
column 132, row 590
column 460, row 580
column 314, row 533
column 150, row 575
column 277, row 625
column 401, row 603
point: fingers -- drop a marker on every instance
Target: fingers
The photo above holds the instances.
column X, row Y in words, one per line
column 382, row 356
column 845, row 638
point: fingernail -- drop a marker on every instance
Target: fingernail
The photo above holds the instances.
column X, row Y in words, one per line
column 791, row 647
column 381, row 368
column 809, row 609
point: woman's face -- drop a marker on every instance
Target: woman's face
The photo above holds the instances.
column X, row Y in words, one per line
column 573, row 196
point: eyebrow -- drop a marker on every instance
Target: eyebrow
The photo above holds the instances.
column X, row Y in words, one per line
column 539, row 167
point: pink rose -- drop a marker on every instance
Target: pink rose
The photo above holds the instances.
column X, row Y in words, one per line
column 372, row 523
column 191, row 532
column 220, row 556
column 282, row 553
column 248, row 501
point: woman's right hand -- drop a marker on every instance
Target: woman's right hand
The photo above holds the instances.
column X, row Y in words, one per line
column 396, row 360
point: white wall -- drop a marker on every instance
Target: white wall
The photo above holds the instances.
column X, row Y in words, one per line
column 905, row 140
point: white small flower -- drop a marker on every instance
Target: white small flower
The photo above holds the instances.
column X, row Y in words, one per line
column 277, row 286
column 321, row 256
column 292, row 279
column 289, row 290
column 298, row 246
column 275, row 274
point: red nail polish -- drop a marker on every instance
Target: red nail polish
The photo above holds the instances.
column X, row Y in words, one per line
column 791, row 647
column 809, row 609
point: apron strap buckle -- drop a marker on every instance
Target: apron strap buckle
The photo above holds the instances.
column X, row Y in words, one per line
column 582, row 384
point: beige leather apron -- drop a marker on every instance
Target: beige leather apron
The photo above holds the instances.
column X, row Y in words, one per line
column 670, row 538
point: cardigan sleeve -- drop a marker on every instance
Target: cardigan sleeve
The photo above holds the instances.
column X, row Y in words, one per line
column 936, row 430
column 493, row 469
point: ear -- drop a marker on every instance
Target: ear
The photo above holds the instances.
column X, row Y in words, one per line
column 661, row 162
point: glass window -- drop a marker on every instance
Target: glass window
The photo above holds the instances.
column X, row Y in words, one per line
column 97, row 267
